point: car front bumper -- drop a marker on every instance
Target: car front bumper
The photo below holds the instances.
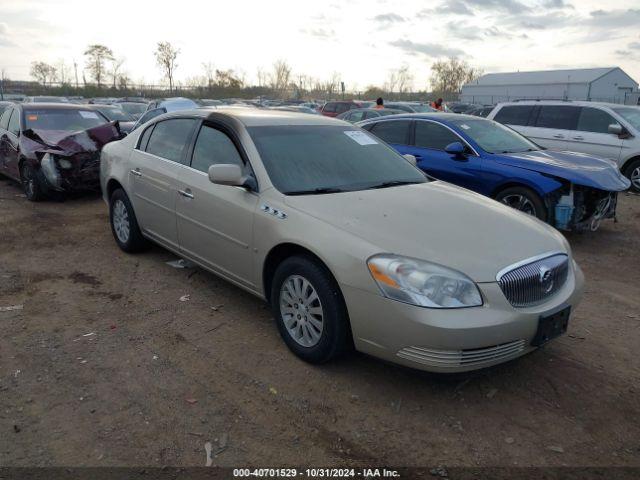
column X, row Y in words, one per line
column 451, row 340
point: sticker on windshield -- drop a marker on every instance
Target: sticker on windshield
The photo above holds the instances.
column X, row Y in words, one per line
column 85, row 114
column 360, row 137
column 32, row 118
column 465, row 126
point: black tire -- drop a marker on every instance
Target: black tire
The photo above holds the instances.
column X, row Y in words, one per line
column 134, row 241
column 634, row 166
column 533, row 204
column 31, row 183
column 335, row 337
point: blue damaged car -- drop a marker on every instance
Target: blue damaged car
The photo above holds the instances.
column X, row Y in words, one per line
column 570, row 191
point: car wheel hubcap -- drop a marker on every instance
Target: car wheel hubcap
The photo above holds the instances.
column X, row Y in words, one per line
column 121, row 221
column 635, row 178
column 520, row 202
column 301, row 311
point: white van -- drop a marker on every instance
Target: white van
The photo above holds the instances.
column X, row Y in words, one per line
column 604, row 130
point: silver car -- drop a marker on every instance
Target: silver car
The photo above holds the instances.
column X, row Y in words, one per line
column 350, row 244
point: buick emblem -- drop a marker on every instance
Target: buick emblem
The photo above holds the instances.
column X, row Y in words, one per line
column 546, row 279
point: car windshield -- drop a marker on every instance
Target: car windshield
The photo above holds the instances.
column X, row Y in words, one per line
column 62, row 119
column 630, row 114
column 134, row 108
column 115, row 113
column 494, row 137
column 310, row 159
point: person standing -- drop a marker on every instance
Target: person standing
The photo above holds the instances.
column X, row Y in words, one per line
column 379, row 104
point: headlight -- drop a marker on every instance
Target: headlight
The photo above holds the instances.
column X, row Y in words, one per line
column 65, row 164
column 422, row 283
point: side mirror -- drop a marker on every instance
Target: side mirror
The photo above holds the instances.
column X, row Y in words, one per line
column 615, row 129
column 227, row 174
column 411, row 159
column 456, row 149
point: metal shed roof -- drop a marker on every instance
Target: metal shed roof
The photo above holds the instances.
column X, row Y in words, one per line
column 581, row 75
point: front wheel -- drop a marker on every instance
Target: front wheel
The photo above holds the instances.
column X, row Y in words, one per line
column 525, row 200
column 31, row 183
column 309, row 310
column 632, row 172
column 124, row 224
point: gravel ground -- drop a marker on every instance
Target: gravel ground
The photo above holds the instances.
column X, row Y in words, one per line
column 105, row 366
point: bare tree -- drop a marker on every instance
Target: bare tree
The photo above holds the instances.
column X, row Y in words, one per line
column 42, row 72
column 405, row 80
column 448, row 76
column 209, row 72
column 262, row 77
column 96, row 56
column 116, row 68
column 166, row 55
column 228, row 79
column 280, row 77
column 63, row 72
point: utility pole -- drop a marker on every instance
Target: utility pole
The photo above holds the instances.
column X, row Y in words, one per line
column 2, row 85
column 75, row 68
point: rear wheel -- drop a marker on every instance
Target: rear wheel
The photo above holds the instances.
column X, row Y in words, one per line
column 31, row 183
column 124, row 224
column 309, row 310
column 632, row 172
column 525, row 200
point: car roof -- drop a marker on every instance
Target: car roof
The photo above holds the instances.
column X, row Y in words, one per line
column 57, row 106
column 253, row 117
column 575, row 103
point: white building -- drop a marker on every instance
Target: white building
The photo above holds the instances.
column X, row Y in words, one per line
column 610, row 84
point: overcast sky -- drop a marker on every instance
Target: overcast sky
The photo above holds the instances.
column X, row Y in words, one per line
column 362, row 40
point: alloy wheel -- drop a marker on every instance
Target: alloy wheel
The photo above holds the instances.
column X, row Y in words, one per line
column 520, row 202
column 121, row 222
column 301, row 310
column 635, row 178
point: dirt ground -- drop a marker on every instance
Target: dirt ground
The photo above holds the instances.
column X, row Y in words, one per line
column 105, row 366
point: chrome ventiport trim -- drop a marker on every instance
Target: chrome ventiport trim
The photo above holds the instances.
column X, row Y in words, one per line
column 522, row 263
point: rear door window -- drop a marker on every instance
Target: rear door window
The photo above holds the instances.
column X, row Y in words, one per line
column 170, row 137
column 595, row 120
column 514, row 115
column 561, row 117
column 392, row 131
column 433, row 135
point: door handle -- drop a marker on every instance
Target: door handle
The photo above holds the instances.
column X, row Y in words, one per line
column 578, row 138
column 558, row 136
column 186, row 193
column 136, row 172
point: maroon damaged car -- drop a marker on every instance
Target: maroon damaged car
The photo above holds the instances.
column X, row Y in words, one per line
column 54, row 147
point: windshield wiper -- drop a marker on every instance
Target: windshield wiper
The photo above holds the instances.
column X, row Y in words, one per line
column 315, row 191
column 394, row 183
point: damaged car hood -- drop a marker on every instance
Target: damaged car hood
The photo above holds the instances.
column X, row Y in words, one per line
column 577, row 168
column 65, row 143
column 437, row 222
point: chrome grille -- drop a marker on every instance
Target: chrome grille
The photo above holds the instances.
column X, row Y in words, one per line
column 534, row 282
column 462, row 358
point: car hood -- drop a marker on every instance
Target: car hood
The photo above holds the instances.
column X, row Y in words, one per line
column 65, row 143
column 438, row 222
column 575, row 167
